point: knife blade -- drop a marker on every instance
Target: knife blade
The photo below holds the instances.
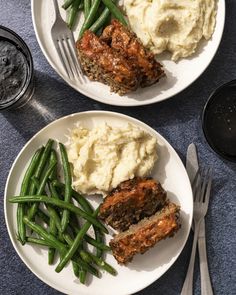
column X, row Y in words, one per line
column 192, row 162
column 192, row 168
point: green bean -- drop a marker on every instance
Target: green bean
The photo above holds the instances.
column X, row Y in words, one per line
column 30, row 170
column 84, row 255
column 33, row 209
column 35, row 181
column 91, row 16
column 38, row 242
column 87, row 6
column 89, row 258
column 89, row 239
column 81, row 6
column 115, row 11
column 78, row 197
column 53, row 231
column 41, row 164
column 52, row 159
column 100, row 21
column 86, row 266
column 45, row 235
column 82, row 272
column 76, row 269
column 99, row 238
column 88, row 208
column 67, row 4
column 73, row 13
column 82, row 276
column 53, row 215
column 95, row 243
column 43, row 182
column 68, row 189
column 58, row 245
column 77, row 241
column 61, row 204
column 53, row 191
column 24, row 189
column 45, row 218
column 101, row 263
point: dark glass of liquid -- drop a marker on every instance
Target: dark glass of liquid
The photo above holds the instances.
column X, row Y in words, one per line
column 219, row 121
column 16, row 70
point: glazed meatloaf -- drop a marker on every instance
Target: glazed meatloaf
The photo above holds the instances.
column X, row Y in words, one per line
column 131, row 201
column 122, row 40
column 118, row 59
column 101, row 63
column 145, row 234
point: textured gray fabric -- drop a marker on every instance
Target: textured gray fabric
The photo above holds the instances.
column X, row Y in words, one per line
column 177, row 119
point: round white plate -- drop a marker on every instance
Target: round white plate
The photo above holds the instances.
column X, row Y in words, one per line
column 144, row 269
column 179, row 75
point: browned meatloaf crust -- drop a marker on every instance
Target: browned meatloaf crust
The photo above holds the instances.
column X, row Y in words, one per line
column 131, row 201
column 126, row 43
column 101, row 63
column 145, row 234
column 117, row 59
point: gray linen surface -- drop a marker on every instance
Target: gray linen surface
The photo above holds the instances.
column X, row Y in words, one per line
column 177, row 119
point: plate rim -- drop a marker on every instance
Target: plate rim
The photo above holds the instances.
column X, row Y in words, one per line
column 121, row 103
column 120, row 115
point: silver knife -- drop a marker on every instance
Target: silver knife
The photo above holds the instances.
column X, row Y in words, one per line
column 192, row 168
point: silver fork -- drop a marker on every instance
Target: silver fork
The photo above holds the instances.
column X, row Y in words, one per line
column 201, row 191
column 64, row 42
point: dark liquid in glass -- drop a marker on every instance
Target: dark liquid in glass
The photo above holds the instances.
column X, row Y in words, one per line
column 14, row 70
column 219, row 121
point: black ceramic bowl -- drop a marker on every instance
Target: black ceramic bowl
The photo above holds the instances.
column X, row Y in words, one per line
column 219, row 121
column 16, row 70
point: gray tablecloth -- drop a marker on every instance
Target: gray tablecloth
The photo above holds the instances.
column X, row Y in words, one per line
column 177, row 119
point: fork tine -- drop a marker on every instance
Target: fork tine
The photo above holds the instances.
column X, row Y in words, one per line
column 67, row 57
column 198, row 189
column 204, row 183
column 74, row 59
column 208, row 189
column 77, row 62
column 196, row 185
column 61, row 57
column 195, row 182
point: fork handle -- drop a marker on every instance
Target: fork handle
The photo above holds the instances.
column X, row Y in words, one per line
column 188, row 283
column 206, row 288
column 56, row 7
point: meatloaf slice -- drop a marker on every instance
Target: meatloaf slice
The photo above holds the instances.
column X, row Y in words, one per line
column 121, row 39
column 145, row 234
column 131, row 201
column 102, row 63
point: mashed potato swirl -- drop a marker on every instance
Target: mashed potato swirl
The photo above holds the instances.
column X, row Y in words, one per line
column 104, row 156
column 173, row 25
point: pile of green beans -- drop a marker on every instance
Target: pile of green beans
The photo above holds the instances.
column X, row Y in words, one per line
column 97, row 14
column 44, row 199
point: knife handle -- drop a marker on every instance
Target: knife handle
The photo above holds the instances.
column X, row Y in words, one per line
column 206, row 288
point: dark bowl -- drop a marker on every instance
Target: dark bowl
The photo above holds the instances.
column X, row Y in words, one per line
column 25, row 91
column 219, row 121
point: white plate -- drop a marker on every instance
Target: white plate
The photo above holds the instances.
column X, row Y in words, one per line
column 179, row 75
column 144, row 269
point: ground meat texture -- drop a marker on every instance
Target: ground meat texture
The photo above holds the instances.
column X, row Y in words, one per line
column 101, row 63
column 145, row 234
column 121, row 39
column 117, row 58
column 131, row 201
